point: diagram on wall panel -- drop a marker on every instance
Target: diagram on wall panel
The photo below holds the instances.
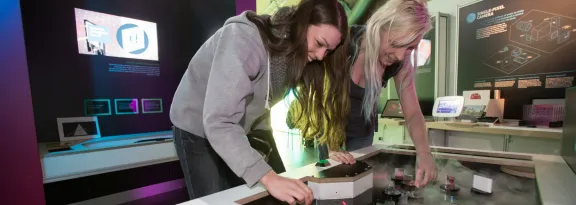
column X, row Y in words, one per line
column 543, row 31
column 511, row 58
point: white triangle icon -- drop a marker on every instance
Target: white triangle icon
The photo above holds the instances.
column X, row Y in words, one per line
column 80, row 131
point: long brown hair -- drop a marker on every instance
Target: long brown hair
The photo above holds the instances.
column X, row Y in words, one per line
column 321, row 88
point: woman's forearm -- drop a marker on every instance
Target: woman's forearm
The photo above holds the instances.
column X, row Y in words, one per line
column 415, row 122
column 418, row 132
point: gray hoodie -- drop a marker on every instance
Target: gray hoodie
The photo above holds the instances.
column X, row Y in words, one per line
column 223, row 91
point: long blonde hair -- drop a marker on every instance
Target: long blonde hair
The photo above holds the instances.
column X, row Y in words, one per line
column 319, row 101
column 407, row 19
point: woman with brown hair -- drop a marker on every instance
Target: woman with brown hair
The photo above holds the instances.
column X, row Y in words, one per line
column 381, row 50
column 248, row 64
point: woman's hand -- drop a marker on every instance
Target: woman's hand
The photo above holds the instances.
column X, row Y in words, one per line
column 426, row 169
column 342, row 157
column 291, row 191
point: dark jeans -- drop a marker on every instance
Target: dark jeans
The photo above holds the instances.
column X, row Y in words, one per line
column 352, row 143
column 204, row 171
column 356, row 143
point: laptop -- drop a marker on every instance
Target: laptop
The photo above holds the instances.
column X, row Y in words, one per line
column 392, row 109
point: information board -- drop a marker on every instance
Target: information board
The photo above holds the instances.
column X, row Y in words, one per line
column 523, row 47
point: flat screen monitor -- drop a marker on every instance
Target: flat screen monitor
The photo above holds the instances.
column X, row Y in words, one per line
column 424, row 52
column 569, row 130
column 448, row 106
column 392, row 109
column 116, row 36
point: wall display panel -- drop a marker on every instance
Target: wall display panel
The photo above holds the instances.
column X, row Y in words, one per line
column 523, row 47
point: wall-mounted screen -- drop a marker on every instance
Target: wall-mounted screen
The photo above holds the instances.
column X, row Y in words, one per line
column 424, row 52
column 116, row 36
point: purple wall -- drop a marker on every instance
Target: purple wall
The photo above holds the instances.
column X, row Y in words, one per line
column 243, row 5
column 21, row 178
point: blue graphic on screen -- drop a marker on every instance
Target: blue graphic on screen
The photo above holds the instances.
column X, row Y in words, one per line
column 471, row 17
column 97, row 33
column 132, row 38
column 447, row 106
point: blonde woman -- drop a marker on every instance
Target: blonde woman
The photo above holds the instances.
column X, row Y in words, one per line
column 380, row 50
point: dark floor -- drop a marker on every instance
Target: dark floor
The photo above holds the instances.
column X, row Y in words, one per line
column 292, row 152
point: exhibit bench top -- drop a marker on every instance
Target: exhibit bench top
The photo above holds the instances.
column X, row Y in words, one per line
column 555, row 179
column 68, row 160
column 547, row 133
column 55, row 149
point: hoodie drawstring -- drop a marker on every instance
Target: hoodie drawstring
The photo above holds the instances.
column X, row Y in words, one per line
column 267, row 105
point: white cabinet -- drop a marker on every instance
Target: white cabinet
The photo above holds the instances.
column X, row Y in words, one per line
column 389, row 134
column 534, row 145
column 480, row 141
column 437, row 137
column 407, row 138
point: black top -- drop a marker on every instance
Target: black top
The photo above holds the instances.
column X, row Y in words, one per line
column 357, row 125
